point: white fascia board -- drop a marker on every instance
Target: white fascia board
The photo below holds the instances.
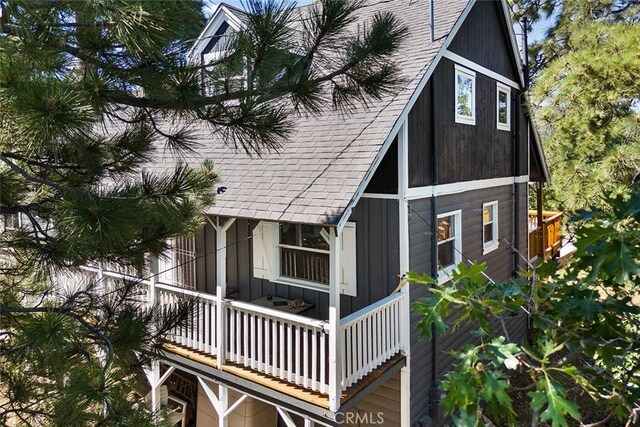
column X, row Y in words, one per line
column 405, row 113
column 460, row 60
column 512, row 38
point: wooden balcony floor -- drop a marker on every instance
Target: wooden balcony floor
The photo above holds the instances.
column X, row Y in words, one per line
column 318, row 399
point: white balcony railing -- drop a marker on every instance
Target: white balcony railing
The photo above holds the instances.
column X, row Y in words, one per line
column 372, row 336
column 285, row 346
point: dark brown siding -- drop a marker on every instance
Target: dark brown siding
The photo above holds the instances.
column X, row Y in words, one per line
column 469, row 152
column 377, row 259
column 421, row 349
column 483, row 39
column 463, row 152
column 500, row 266
column 206, row 261
column 385, row 178
column 420, row 140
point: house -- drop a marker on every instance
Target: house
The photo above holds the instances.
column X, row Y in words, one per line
column 301, row 316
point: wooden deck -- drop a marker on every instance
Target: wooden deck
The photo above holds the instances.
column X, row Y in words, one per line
column 318, row 399
column 545, row 239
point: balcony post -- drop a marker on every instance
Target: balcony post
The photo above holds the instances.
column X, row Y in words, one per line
column 403, row 251
column 221, row 228
column 540, row 228
column 335, row 355
column 153, row 279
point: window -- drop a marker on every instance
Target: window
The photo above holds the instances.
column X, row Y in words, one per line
column 299, row 255
column 465, row 92
column 449, row 244
column 304, row 252
column 503, row 107
column 489, row 227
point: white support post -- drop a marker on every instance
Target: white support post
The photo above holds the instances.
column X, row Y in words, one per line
column 215, row 402
column 335, row 369
column 221, row 287
column 405, row 310
column 153, row 269
column 155, row 379
column 223, row 398
column 286, row 417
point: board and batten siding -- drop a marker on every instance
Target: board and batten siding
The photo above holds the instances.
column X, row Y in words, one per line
column 469, row 152
column 483, row 39
column 500, row 266
column 378, row 262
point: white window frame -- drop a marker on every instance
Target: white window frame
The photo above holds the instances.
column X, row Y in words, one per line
column 464, row 72
column 505, row 89
column 444, row 274
column 294, row 280
column 494, row 243
column 267, row 258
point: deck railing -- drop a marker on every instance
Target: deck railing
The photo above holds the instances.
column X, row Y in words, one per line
column 290, row 347
column 199, row 330
column 286, row 346
column 370, row 337
column 545, row 239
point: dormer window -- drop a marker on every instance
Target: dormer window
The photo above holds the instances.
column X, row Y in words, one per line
column 465, row 96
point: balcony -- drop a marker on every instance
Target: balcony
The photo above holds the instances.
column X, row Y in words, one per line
column 289, row 352
column 545, row 240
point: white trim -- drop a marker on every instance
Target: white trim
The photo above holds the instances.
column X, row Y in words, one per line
column 495, row 242
column 379, row 196
column 444, row 275
column 404, row 256
column 469, row 74
column 501, row 88
column 405, row 113
column 335, row 347
column 506, row 13
column 414, row 193
column 480, row 69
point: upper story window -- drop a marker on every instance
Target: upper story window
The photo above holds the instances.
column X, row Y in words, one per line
column 304, row 252
column 299, row 255
column 503, row 107
column 449, row 243
column 489, row 227
column 465, row 93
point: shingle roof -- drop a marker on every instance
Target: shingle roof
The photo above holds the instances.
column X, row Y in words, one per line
column 313, row 177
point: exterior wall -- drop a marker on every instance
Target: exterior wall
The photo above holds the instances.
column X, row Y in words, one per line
column 501, row 265
column 469, row 152
column 250, row 413
column 492, row 50
column 380, row 408
column 377, row 259
column 385, row 178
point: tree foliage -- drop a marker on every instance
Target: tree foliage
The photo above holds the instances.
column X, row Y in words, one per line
column 585, row 336
column 89, row 91
column 586, row 96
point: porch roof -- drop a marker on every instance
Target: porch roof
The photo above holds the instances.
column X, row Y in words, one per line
column 314, row 176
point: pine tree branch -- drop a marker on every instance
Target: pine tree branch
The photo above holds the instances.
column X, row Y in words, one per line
column 4, row 309
column 29, row 177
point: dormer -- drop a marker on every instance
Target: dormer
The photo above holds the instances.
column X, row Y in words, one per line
column 213, row 40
